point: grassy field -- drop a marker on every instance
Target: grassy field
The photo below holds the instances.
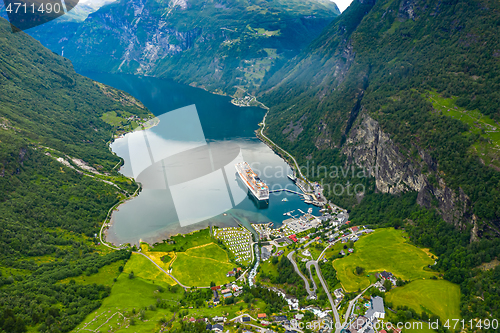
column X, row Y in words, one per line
column 211, row 251
column 132, row 298
column 143, row 268
column 199, row 272
column 479, row 123
column 437, row 297
column 112, row 118
column 475, row 119
column 315, row 251
column 105, row 275
column 385, row 249
column 129, row 296
column 195, row 259
column 184, row 242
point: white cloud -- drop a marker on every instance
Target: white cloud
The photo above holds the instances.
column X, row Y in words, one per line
column 342, row 4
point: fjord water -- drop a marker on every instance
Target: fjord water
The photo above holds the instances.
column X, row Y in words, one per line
column 157, row 212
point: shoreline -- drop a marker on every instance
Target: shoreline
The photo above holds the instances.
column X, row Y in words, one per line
column 149, row 124
column 165, row 235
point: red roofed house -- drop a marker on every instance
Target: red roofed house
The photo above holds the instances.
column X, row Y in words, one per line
column 216, row 287
column 261, row 315
column 354, row 229
column 293, row 238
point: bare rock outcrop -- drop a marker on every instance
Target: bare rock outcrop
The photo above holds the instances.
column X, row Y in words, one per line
column 368, row 146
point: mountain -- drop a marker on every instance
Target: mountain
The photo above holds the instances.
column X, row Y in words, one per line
column 408, row 89
column 218, row 45
column 58, row 181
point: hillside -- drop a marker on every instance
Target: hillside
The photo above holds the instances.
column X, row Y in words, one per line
column 214, row 44
column 410, row 89
column 400, row 100
column 50, row 209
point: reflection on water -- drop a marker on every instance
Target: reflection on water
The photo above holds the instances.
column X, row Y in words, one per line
column 186, row 164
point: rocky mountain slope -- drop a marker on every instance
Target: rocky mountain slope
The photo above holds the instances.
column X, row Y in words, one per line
column 410, row 90
column 219, row 45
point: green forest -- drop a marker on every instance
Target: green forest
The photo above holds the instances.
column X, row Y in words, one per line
column 49, row 213
column 388, row 57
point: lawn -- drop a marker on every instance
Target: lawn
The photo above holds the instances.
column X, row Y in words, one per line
column 385, row 249
column 183, row 242
column 268, row 269
column 439, row 297
column 199, row 272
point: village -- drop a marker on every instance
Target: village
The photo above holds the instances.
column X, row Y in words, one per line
column 361, row 312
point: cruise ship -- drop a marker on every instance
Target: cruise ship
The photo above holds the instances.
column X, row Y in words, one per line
column 258, row 188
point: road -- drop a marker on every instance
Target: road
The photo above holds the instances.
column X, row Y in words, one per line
column 284, row 151
column 243, row 315
column 351, row 304
column 325, row 288
column 312, row 293
column 108, row 216
column 164, row 271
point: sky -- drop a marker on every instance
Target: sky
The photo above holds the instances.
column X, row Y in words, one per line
column 342, row 4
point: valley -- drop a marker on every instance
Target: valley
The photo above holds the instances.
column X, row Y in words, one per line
column 375, row 131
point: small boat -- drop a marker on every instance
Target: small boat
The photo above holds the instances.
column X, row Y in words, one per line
column 284, row 199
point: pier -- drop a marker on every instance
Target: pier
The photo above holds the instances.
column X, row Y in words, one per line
column 286, row 190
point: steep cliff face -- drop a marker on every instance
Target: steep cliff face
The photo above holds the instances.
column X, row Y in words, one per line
column 369, row 147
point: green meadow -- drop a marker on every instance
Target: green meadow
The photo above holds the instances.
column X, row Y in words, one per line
column 130, row 306
column 199, row 272
column 383, row 250
column 145, row 269
column 211, row 251
column 478, row 123
column 105, row 275
column 439, row 297
column 181, row 243
column 198, row 260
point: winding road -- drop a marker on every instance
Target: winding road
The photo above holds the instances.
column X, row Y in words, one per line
column 312, row 293
column 325, row 287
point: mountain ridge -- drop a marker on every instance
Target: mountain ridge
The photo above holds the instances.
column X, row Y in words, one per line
column 198, row 42
column 377, row 65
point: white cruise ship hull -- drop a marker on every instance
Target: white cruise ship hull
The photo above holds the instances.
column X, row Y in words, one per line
column 260, row 192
